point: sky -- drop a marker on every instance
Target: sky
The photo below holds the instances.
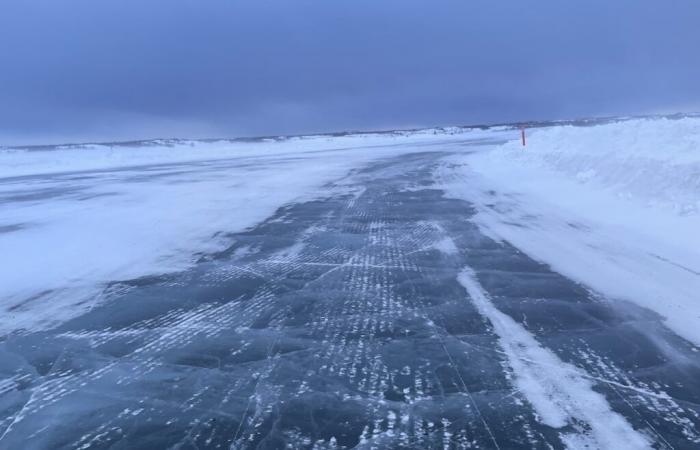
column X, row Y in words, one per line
column 101, row 70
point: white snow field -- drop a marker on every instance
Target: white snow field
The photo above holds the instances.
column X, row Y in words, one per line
column 613, row 206
column 75, row 218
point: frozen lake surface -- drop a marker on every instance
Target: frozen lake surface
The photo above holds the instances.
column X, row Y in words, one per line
column 379, row 316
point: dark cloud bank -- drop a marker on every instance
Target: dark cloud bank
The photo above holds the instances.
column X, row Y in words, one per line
column 122, row 69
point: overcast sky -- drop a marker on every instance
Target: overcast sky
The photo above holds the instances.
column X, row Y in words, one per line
column 82, row 70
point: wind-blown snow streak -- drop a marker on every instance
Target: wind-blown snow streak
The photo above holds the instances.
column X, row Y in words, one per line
column 560, row 393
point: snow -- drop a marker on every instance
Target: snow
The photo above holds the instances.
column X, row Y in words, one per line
column 81, row 157
column 613, row 206
column 653, row 161
column 445, row 244
column 561, row 394
column 74, row 219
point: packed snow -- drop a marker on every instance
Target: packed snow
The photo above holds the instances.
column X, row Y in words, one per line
column 613, row 206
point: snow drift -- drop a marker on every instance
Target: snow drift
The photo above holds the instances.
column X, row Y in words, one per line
column 653, row 161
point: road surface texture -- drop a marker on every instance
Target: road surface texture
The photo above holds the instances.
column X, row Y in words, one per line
column 379, row 317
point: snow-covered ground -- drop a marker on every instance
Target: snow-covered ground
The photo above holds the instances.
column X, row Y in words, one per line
column 75, row 218
column 613, row 206
column 476, row 337
column 82, row 157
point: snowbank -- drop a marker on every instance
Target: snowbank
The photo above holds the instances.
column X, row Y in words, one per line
column 612, row 206
column 653, row 161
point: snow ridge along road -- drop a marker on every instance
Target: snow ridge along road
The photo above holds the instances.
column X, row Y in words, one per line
column 378, row 317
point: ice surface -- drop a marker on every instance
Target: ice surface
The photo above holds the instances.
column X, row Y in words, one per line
column 340, row 322
column 319, row 299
